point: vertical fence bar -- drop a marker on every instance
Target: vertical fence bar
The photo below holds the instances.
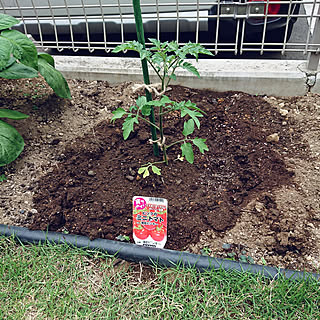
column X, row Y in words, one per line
column 313, row 59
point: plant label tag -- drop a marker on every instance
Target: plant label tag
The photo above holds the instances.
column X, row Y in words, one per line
column 150, row 221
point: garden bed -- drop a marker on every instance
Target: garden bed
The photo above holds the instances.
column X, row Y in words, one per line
column 250, row 195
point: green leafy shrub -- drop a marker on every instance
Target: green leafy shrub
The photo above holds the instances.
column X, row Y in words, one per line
column 19, row 59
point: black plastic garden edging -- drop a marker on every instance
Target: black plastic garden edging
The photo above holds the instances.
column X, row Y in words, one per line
column 151, row 256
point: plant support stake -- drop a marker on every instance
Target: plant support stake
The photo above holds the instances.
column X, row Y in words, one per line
column 146, row 79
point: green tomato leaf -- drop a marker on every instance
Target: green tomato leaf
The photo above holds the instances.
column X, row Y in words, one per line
column 129, row 45
column 146, row 110
column 188, row 127
column 193, row 106
column 23, row 48
column 192, row 114
column 191, row 68
column 12, row 114
column 18, row 71
column 117, row 114
column 156, row 170
column 144, row 54
column 128, row 126
column 54, row 78
column 11, row 143
column 200, row 143
column 173, row 77
column 146, row 173
column 141, row 101
column 142, row 170
column 47, row 57
column 155, row 42
column 7, row 21
column 173, row 46
column 187, row 152
column 157, row 59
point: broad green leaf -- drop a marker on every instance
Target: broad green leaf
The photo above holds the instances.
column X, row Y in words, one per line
column 7, row 21
column 23, row 48
column 144, row 54
column 187, row 152
column 155, row 42
column 117, row 114
column 173, row 46
column 141, row 101
column 146, row 173
column 173, row 77
column 200, row 143
column 18, row 71
column 146, row 110
column 160, row 103
column 133, row 108
column 11, row 143
column 142, row 170
column 157, row 59
column 193, row 106
column 156, row 170
column 12, row 114
column 47, row 57
column 128, row 126
column 54, row 78
column 192, row 114
column 205, row 51
column 130, row 45
column 5, row 52
column 122, row 47
column 191, row 68
column 188, row 127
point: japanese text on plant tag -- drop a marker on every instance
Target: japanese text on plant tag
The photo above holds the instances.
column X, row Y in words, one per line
column 150, row 221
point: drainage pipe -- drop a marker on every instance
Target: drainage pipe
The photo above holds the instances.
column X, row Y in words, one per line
column 151, row 256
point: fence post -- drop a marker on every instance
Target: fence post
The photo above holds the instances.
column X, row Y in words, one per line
column 313, row 59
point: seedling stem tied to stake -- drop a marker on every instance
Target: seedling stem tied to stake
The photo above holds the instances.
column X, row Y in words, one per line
column 164, row 58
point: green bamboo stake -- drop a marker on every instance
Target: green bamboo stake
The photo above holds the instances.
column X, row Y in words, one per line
column 146, row 79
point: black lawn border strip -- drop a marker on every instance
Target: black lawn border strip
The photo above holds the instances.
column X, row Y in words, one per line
column 152, row 256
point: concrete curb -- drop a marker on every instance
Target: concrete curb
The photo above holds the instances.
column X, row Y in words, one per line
column 270, row 77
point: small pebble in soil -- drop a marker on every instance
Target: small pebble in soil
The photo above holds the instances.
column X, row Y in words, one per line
column 22, row 211
column 130, row 178
column 273, row 138
column 226, row 246
column 283, row 112
column 132, row 172
column 91, row 173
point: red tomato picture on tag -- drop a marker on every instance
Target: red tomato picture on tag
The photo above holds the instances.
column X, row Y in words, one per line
column 140, row 232
column 158, row 233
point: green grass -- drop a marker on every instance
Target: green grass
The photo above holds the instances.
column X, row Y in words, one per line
column 58, row 282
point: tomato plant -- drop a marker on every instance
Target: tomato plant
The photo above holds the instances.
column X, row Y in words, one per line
column 164, row 58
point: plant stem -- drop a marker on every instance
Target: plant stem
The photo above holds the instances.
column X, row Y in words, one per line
column 146, row 79
column 165, row 158
column 172, row 144
column 149, row 122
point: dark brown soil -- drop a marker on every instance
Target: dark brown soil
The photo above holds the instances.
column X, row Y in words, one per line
column 90, row 191
column 246, row 197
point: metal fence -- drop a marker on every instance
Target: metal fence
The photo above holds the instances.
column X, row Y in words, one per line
column 221, row 26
